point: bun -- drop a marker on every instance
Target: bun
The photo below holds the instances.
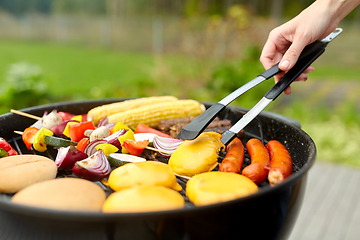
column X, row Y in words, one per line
column 69, row 194
column 20, row 171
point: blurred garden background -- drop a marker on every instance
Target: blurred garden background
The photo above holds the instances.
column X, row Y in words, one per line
column 72, row 50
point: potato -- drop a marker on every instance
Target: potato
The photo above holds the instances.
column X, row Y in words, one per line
column 215, row 187
column 143, row 199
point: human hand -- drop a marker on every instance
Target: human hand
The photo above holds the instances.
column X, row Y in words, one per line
column 286, row 42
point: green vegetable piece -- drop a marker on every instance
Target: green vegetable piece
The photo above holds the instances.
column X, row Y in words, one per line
column 58, row 142
column 119, row 159
column 3, row 153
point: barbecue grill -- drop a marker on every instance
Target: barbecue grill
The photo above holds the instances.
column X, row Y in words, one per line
column 268, row 214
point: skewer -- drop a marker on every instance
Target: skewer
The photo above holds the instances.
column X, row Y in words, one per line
column 182, row 176
column 150, row 148
column 25, row 114
column 38, row 118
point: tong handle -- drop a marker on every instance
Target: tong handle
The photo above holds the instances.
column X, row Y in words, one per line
column 310, row 49
column 274, row 92
column 301, row 65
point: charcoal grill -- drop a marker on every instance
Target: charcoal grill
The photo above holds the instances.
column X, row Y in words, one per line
column 269, row 214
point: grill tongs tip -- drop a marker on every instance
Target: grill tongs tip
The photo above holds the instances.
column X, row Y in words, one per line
column 308, row 56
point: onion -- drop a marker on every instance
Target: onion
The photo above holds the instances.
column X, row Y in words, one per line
column 114, row 138
column 166, row 144
column 105, row 122
column 39, row 123
column 94, row 168
column 67, row 156
column 144, row 136
column 90, row 149
column 59, row 128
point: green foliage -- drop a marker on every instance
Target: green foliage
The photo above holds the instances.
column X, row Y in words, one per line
column 93, row 7
column 19, row 7
column 80, row 72
column 335, row 140
column 24, row 86
column 229, row 76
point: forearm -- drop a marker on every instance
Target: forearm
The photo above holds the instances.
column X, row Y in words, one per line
column 337, row 9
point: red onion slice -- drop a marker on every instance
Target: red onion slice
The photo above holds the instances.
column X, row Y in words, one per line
column 59, row 128
column 90, row 149
column 105, row 122
column 114, row 138
column 166, row 144
column 66, row 157
column 94, row 168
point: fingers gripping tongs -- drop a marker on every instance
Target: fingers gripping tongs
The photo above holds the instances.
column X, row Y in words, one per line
column 308, row 56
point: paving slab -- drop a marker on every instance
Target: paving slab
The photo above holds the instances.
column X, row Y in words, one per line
column 331, row 206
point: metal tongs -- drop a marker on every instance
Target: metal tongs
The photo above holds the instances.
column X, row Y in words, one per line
column 308, row 56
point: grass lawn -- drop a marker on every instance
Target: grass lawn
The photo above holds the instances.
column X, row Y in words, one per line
column 78, row 71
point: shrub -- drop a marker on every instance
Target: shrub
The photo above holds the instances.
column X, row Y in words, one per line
column 227, row 77
column 24, row 86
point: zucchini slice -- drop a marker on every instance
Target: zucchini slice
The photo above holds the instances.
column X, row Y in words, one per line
column 119, row 159
column 58, row 142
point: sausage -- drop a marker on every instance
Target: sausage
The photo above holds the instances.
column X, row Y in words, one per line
column 258, row 170
column 281, row 164
column 234, row 157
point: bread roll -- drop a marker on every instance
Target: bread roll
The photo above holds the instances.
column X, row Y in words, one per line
column 20, row 171
column 71, row 194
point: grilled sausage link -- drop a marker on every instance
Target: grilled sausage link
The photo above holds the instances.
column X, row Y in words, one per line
column 234, row 157
column 281, row 164
column 258, row 170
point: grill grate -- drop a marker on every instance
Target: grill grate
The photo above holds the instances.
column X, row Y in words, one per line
column 18, row 144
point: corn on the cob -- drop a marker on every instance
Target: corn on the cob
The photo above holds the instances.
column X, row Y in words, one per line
column 98, row 113
column 152, row 114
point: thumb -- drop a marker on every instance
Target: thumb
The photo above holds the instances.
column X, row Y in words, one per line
column 292, row 55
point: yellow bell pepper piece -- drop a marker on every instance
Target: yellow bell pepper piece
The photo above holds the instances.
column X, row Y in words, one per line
column 107, row 148
column 128, row 135
column 67, row 129
column 38, row 143
column 77, row 118
column 119, row 126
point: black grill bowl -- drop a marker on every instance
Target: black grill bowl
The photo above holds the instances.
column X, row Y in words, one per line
column 269, row 214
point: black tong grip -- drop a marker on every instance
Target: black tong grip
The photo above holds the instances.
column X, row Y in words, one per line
column 308, row 51
column 302, row 64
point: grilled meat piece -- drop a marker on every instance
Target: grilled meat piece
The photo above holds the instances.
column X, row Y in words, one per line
column 165, row 125
column 219, row 126
column 174, row 126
